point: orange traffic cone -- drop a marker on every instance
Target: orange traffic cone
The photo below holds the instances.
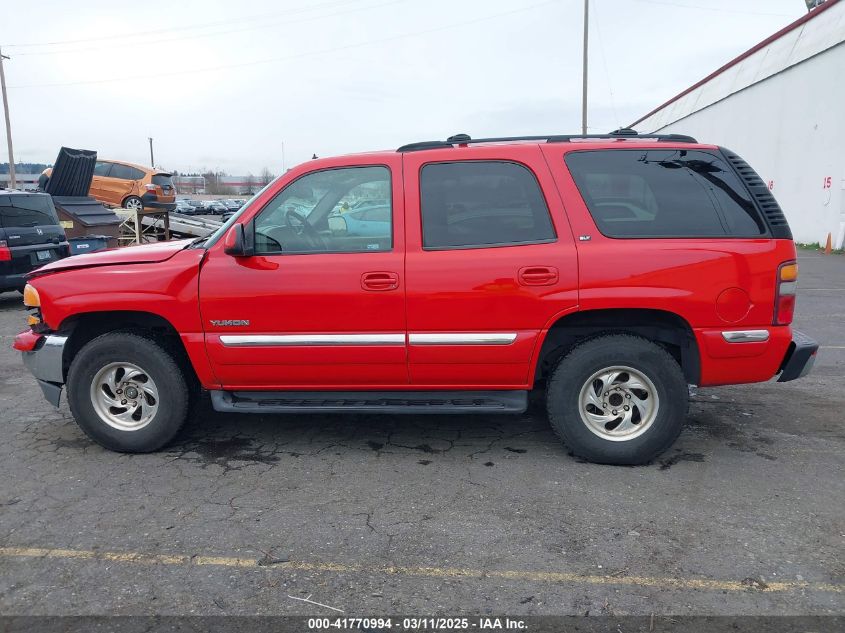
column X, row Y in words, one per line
column 828, row 247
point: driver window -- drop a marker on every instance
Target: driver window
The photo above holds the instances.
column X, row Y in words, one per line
column 345, row 210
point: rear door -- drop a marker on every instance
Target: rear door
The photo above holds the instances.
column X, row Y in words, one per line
column 165, row 189
column 119, row 184
column 490, row 263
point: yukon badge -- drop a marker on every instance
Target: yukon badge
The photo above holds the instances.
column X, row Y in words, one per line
column 230, row 322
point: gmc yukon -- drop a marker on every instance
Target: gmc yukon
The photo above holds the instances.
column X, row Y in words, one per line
column 445, row 277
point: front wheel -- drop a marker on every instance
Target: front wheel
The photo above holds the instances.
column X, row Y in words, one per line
column 127, row 393
column 617, row 399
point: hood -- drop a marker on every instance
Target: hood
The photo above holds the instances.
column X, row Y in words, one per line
column 143, row 254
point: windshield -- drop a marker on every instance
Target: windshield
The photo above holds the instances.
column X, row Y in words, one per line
column 22, row 210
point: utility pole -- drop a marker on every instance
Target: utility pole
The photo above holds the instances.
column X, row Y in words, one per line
column 584, row 70
column 12, row 180
column 152, row 160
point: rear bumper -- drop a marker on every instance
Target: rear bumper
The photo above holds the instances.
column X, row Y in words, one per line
column 151, row 201
column 12, row 281
column 13, row 273
column 44, row 361
column 737, row 356
column 800, row 357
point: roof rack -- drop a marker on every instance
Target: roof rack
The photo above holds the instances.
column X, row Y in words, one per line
column 622, row 133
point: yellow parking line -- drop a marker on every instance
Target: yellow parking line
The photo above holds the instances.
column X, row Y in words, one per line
column 430, row 572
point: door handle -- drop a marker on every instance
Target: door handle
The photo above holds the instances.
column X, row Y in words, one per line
column 538, row 276
column 380, row 280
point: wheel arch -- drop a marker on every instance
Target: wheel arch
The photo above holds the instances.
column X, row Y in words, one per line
column 665, row 328
column 84, row 327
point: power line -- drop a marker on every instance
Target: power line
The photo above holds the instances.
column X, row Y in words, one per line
column 265, row 25
column 171, row 29
column 391, row 38
column 716, row 9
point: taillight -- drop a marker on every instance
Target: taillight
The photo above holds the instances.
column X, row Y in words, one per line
column 150, row 187
column 5, row 252
column 787, row 283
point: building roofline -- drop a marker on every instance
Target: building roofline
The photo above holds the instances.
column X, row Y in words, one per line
column 775, row 36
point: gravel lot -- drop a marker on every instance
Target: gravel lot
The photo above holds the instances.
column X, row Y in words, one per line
column 428, row 515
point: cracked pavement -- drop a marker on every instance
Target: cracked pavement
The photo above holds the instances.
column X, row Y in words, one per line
column 752, row 493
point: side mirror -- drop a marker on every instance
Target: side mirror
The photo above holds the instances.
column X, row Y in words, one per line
column 338, row 225
column 238, row 242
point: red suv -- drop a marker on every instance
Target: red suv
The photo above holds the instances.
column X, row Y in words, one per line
column 445, row 277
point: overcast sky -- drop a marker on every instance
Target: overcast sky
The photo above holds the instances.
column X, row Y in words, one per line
column 228, row 84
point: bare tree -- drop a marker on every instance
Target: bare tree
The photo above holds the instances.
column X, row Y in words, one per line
column 250, row 184
column 266, row 177
column 213, row 184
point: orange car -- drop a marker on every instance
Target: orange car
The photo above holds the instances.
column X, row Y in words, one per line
column 131, row 186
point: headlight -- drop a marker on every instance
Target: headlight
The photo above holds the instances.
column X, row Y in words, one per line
column 30, row 297
column 33, row 302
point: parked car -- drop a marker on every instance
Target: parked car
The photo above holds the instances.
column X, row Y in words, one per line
column 364, row 221
column 185, row 208
column 232, row 205
column 131, row 186
column 213, row 207
column 30, row 236
column 611, row 270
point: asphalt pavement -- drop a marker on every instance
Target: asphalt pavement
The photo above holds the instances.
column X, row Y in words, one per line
column 427, row 515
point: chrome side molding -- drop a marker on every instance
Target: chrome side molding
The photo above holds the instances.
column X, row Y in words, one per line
column 390, row 338
column 271, row 340
column 746, row 336
column 462, row 338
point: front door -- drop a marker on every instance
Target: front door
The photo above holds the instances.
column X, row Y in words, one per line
column 321, row 304
column 490, row 264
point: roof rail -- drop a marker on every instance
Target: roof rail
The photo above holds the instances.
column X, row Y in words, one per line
column 620, row 134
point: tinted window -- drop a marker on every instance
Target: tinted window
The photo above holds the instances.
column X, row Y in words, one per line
column 165, row 180
column 125, row 172
column 101, row 168
column 313, row 214
column 663, row 193
column 479, row 203
column 22, row 210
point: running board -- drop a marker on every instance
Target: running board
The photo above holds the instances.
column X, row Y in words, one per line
column 370, row 401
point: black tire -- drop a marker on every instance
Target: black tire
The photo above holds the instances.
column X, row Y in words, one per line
column 172, row 387
column 131, row 201
column 594, row 355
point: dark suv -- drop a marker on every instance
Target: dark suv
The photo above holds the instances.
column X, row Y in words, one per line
column 30, row 235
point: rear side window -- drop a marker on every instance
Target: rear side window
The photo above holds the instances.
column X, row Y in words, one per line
column 21, row 211
column 663, row 193
column 473, row 204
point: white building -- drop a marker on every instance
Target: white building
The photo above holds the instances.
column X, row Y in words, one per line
column 781, row 106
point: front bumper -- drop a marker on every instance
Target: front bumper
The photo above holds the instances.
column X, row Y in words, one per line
column 44, row 361
column 799, row 358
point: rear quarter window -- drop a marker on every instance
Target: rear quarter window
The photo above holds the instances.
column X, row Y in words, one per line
column 663, row 193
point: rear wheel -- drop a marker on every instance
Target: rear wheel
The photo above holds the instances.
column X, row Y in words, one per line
column 134, row 203
column 617, row 399
column 127, row 393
